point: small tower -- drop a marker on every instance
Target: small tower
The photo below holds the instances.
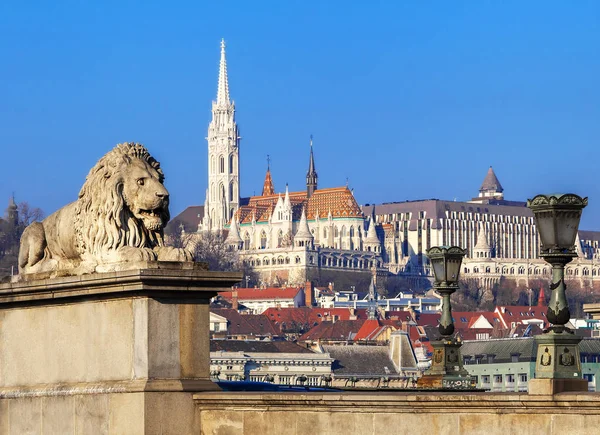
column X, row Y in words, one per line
column 233, row 240
column 268, row 188
column 303, row 236
column 372, row 242
column 12, row 212
column 490, row 188
column 482, row 249
column 372, row 297
column 311, row 175
column 541, row 298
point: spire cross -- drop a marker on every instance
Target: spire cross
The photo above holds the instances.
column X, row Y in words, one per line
column 268, row 162
column 311, row 139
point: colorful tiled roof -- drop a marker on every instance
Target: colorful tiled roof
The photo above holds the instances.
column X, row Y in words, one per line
column 338, row 200
column 268, row 188
column 341, row 330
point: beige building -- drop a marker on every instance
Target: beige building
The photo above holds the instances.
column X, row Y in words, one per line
column 500, row 237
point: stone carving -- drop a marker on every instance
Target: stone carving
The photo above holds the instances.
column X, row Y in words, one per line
column 118, row 218
column 566, row 358
column 546, row 358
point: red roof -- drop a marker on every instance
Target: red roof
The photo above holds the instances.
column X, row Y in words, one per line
column 518, row 314
column 247, row 324
column 340, row 330
column 312, row 315
column 247, row 294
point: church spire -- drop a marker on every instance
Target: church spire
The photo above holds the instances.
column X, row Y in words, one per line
column 311, row 175
column 223, row 87
column 268, row 188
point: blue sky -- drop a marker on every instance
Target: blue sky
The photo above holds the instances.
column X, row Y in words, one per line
column 408, row 100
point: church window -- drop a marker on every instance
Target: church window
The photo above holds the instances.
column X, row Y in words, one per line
column 231, row 164
column 263, row 240
column 488, row 269
column 222, row 165
column 287, row 260
column 247, row 243
column 212, row 164
column 325, row 233
column 266, row 261
column 297, row 260
column 351, row 231
column 336, row 232
column 231, row 192
column 344, row 231
column 279, row 239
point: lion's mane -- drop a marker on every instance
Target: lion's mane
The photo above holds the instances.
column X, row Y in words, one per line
column 103, row 221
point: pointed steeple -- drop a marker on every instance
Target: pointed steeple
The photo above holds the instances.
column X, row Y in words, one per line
column 372, row 242
column 303, row 231
column 268, row 188
column 233, row 238
column 311, row 175
column 372, row 296
column 286, row 200
column 490, row 186
column 542, row 298
column 223, row 86
column 482, row 248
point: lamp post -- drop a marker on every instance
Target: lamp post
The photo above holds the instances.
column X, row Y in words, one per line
column 446, row 369
column 558, row 365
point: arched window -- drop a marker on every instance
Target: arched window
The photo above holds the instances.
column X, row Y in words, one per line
column 231, row 192
column 247, row 243
column 212, row 164
column 222, row 165
column 344, row 231
column 325, row 233
column 279, row 239
column 297, row 260
column 488, row 269
column 263, row 239
column 287, row 260
column 231, row 164
column 336, row 233
column 266, row 261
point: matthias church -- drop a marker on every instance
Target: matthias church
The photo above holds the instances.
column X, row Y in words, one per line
column 290, row 237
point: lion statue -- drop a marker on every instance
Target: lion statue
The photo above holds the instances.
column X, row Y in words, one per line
column 119, row 217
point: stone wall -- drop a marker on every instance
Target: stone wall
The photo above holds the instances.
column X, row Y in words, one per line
column 399, row 413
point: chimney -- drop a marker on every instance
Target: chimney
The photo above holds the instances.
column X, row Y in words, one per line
column 308, row 294
column 234, row 300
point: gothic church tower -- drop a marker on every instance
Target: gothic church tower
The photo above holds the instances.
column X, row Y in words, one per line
column 223, row 192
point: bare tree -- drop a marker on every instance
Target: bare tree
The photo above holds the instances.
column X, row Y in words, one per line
column 210, row 247
column 29, row 214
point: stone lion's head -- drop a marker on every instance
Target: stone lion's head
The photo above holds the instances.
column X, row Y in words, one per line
column 123, row 202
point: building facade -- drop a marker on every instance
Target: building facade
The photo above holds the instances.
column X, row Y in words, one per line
column 500, row 237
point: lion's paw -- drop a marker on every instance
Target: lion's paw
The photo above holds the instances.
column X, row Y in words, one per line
column 168, row 253
column 131, row 254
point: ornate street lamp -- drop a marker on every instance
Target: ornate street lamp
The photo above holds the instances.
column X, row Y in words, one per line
column 446, row 369
column 557, row 218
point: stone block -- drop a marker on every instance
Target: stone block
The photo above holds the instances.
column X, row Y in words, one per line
column 25, row 416
column 170, row 413
column 416, row 423
column 555, row 386
column 126, row 414
column 344, row 423
column 222, row 422
column 4, row 416
column 91, row 414
column 270, row 422
column 312, row 422
column 58, row 414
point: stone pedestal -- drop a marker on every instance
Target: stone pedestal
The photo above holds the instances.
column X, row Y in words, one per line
column 446, row 371
column 558, row 364
column 116, row 352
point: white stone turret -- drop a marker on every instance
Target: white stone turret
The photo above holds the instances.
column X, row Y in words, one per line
column 482, row 248
column 223, row 195
column 233, row 239
column 372, row 242
column 303, row 235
